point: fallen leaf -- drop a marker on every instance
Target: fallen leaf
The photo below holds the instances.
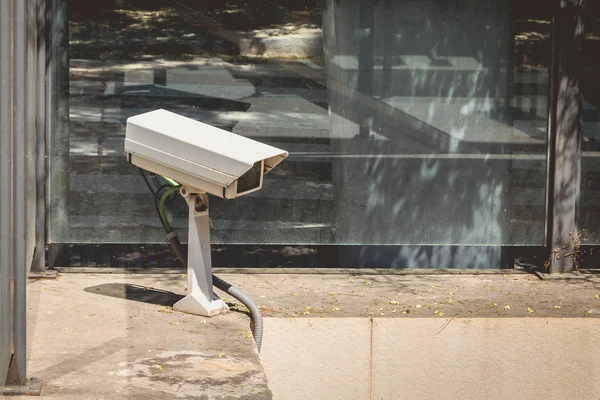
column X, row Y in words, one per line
column 530, row 310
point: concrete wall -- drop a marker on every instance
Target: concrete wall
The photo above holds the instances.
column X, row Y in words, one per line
column 426, row 358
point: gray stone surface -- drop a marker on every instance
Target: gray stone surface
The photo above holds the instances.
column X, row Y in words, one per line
column 420, row 296
column 107, row 336
column 115, row 337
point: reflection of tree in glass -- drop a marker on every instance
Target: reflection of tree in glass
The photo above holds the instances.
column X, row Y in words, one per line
column 127, row 29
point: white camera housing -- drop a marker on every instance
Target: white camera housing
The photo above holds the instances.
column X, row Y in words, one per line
column 198, row 156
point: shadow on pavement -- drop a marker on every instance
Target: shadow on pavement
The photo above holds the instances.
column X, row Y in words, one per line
column 136, row 293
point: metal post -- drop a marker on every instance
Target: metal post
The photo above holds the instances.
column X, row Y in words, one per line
column 565, row 137
column 6, row 273
column 18, row 371
column 200, row 299
column 39, row 263
column 14, row 137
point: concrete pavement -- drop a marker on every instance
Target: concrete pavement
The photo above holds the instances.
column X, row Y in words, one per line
column 116, row 337
column 108, row 336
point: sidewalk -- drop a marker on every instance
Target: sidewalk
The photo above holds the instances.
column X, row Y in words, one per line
column 114, row 336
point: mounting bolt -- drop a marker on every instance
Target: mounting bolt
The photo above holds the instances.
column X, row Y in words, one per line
column 200, row 206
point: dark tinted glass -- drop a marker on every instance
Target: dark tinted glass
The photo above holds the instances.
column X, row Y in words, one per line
column 409, row 122
column 589, row 207
column 251, row 179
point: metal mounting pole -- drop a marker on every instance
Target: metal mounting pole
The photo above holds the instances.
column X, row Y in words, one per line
column 14, row 46
column 200, row 299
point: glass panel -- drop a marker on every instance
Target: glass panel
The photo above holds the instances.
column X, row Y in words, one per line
column 589, row 206
column 407, row 122
column 439, row 118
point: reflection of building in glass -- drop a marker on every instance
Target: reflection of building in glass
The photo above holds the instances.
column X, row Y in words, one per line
column 421, row 124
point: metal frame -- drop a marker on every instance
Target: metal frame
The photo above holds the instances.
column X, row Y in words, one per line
column 6, row 272
column 57, row 132
column 39, row 263
column 18, row 370
column 564, row 127
column 17, row 177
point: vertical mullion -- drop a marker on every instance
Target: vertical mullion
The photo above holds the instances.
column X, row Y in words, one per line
column 57, row 140
column 565, row 134
column 40, row 148
column 18, row 371
column 6, row 233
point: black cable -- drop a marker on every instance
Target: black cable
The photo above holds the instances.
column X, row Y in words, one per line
column 164, row 225
column 155, row 196
column 165, row 186
column 148, row 183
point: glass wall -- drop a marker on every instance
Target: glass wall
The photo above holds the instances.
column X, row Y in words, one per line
column 408, row 122
column 590, row 134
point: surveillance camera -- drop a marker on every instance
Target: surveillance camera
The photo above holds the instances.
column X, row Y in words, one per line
column 201, row 157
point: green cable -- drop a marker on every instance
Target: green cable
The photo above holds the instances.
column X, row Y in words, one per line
column 171, row 181
column 161, row 207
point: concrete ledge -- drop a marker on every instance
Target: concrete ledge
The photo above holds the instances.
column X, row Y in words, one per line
column 117, row 337
column 48, row 274
column 299, row 271
column 546, row 276
column 462, row 358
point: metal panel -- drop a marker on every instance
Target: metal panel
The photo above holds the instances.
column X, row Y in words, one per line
column 6, row 192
